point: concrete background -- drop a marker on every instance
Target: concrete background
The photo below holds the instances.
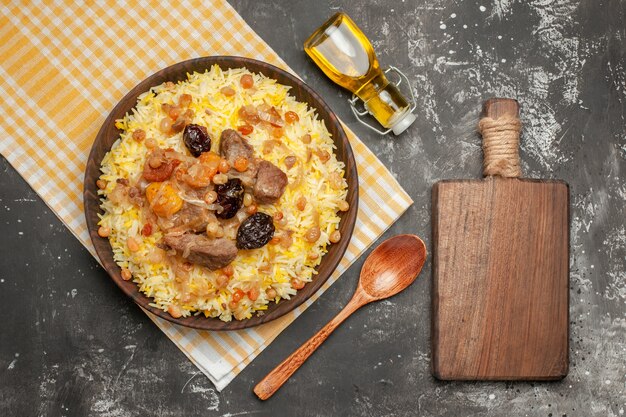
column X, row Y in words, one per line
column 72, row 344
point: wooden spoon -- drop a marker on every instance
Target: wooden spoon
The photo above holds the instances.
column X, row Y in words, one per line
column 389, row 269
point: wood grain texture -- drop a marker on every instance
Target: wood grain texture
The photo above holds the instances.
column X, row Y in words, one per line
column 109, row 133
column 498, row 107
column 389, row 269
column 500, row 279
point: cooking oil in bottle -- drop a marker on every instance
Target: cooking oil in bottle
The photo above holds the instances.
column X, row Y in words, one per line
column 346, row 56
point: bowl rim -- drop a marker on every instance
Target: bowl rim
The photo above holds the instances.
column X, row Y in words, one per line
column 91, row 200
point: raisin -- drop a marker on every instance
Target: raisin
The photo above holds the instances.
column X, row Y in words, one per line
column 230, row 197
column 146, row 230
column 196, row 139
column 255, row 232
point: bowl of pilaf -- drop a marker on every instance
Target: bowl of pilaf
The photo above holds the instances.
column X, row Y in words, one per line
column 221, row 193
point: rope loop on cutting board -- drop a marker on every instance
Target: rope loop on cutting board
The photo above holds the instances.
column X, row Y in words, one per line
column 501, row 146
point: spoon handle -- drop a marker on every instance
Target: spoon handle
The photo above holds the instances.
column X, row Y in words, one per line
column 275, row 379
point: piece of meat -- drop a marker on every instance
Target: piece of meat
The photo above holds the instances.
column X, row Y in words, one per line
column 199, row 249
column 270, row 183
column 233, row 145
column 248, row 177
column 191, row 218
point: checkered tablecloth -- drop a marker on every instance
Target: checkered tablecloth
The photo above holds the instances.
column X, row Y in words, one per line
column 64, row 67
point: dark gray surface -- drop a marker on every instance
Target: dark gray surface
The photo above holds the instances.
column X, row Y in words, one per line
column 72, row 344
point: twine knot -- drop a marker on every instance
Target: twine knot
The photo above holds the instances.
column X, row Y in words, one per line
column 500, row 146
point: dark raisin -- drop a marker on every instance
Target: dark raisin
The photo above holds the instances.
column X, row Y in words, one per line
column 230, row 197
column 196, row 139
column 255, row 231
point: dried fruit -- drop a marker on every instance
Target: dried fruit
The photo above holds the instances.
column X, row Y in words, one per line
column 199, row 175
column 253, row 294
column 158, row 167
column 197, row 139
column 245, row 129
column 246, row 81
column 227, row 91
column 166, row 125
column 241, row 163
column 230, row 197
column 335, row 236
column 255, row 232
column 163, row 199
column 290, row 161
column 184, row 100
column 126, row 274
column 312, row 234
column 139, row 135
column 238, row 295
column 146, row 230
column 297, row 284
column 291, row 117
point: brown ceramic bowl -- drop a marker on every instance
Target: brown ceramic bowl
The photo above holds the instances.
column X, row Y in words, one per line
column 109, row 133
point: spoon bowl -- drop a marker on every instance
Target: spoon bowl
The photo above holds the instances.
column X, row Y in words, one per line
column 389, row 269
column 392, row 266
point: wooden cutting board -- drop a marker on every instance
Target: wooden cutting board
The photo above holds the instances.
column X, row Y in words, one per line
column 500, row 271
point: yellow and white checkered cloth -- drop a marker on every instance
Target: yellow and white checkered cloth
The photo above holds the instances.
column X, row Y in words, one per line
column 65, row 65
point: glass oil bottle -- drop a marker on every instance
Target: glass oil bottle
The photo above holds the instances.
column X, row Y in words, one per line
column 346, row 56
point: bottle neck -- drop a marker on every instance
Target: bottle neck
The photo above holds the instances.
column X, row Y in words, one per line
column 370, row 88
column 383, row 100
